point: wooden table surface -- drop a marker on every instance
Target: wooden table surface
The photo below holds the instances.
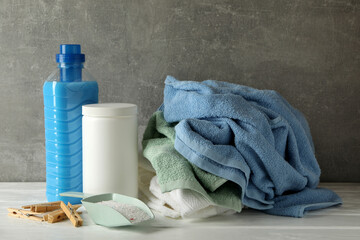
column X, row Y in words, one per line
column 333, row 223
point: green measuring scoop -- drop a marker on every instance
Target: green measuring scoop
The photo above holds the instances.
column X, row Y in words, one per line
column 105, row 215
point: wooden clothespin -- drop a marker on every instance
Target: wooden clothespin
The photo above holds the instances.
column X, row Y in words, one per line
column 58, row 215
column 43, row 207
column 58, row 218
column 26, row 214
column 71, row 213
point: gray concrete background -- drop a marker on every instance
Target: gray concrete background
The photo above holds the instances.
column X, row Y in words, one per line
column 307, row 50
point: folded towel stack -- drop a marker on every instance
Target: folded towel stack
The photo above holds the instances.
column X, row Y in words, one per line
column 253, row 138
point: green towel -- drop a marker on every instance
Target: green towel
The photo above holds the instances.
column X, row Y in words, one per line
column 175, row 172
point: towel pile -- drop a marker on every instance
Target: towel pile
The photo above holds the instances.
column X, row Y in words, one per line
column 234, row 145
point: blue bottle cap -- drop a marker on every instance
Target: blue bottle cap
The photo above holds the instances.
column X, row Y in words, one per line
column 70, row 53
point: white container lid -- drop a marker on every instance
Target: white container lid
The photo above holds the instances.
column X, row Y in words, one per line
column 109, row 109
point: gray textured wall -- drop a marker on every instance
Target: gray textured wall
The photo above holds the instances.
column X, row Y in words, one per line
column 307, row 50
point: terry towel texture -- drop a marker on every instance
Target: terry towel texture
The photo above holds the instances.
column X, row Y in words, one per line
column 173, row 171
column 251, row 137
column 188, row 203
column 177, row 203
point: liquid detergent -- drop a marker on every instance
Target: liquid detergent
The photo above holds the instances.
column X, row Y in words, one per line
column 65, row 91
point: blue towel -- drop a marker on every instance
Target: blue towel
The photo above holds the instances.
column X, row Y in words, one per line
column 252, row 137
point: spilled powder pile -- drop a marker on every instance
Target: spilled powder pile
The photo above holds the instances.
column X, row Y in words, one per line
column 132, row 213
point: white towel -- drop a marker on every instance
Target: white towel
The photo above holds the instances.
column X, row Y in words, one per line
column 188, row 203
column 146, row 196
column 178, row 203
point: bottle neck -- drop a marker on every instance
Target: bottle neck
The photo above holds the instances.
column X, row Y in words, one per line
column 70, row 72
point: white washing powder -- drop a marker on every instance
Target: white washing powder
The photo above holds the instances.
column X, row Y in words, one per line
column 132, row 213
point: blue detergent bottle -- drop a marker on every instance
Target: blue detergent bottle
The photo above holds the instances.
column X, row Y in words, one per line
column 65, row 91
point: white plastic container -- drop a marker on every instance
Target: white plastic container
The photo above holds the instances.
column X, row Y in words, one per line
column 110, row 160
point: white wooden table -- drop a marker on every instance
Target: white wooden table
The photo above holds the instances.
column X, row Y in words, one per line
column 333, row 223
